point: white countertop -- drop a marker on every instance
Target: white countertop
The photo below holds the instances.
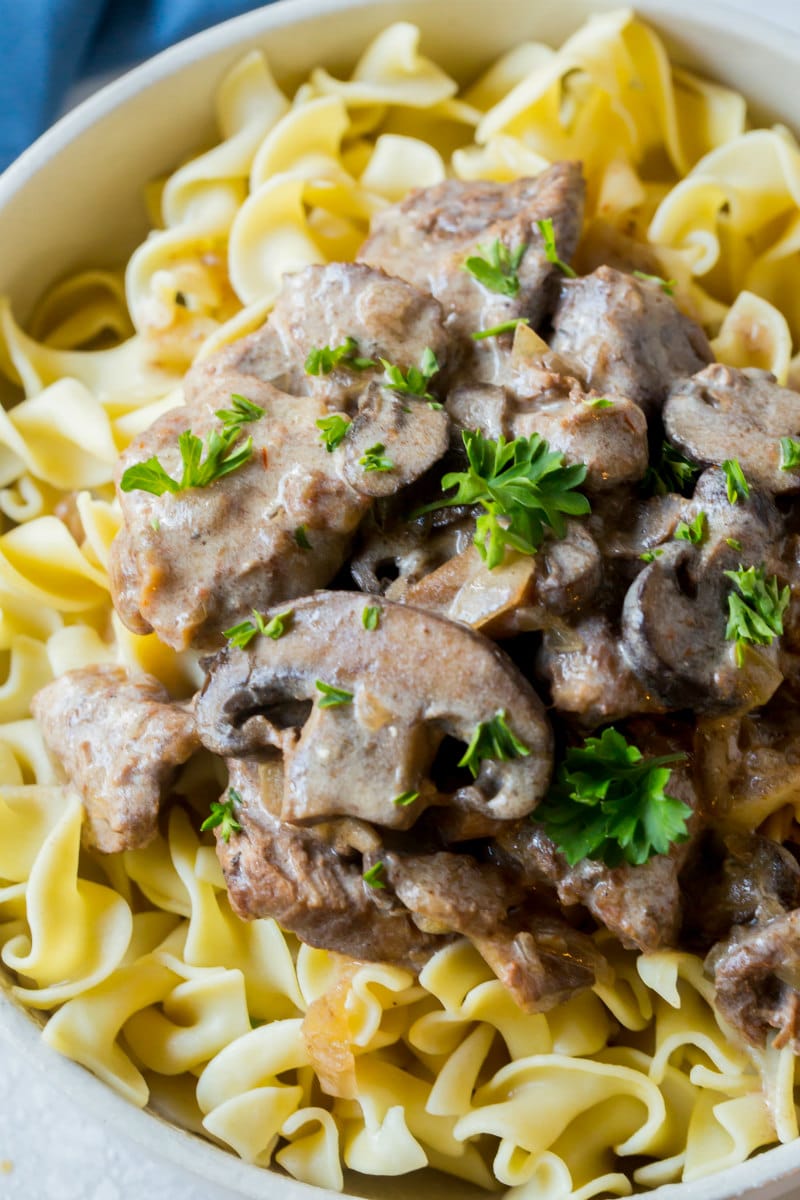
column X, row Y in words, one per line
column 49, row 1150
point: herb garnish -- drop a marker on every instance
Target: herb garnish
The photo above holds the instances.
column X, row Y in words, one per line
column 523, row 486
column 221, row 458
column 790, row 453
column 492, row 739
column 242, row 413
column 222, row 815
column 651, row 555
column 692, row 531
column 405, row 798
column 545, row 228
column 609, row 803
column 374, row 460
column 372, row 877
column 301, row 538
column 496, row 267
column 598, row 402
column 323, row 359
column 333, row 430
column 371, row 617
column 416, row 379
column 736, row 484
column 734, row 544
column 666, row 285
column 241, row 635
column 505, row 327
column 755, row 612
column 672, row 473
column 332, row 697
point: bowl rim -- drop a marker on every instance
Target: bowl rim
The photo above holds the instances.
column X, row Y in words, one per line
column 146, row 1127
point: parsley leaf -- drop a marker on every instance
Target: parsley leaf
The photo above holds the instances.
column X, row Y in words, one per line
column 545, row 228
column 301, row 538
column 242, row 413
column 372, row 877
column 523, row 486
column 755, row 612
column 492, row 739
column 371, row 617
column 672, row 473
column 405, row 798
column 609, row 803
column 505, row 327
column 333, row 430
column 222, row 815
column 737, row 486
column 598, row 402
column 221, row 457
column 241, row 635
column 790, row 453
column 651, row 555
column 324, row 359
column 332, row 697
column 692, row 531
column 734, row 544
column 373, row 459
column 495, row 266
column 666, row 285
column 416, row 379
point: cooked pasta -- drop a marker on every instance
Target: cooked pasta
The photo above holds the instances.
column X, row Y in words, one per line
column 285, row 1054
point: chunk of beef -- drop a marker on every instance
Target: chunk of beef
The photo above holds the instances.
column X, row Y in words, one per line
column 626, row 337
column 429, row 235
column 754, row 975
column 120, row 742
column 723, row 413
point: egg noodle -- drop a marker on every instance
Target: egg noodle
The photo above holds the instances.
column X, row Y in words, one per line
column 284, row 1053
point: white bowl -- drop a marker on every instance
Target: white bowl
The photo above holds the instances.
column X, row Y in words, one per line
column 75, row 199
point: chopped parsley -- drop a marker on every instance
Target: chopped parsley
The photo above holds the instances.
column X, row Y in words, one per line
column 496, row 330
column 371, row 617
column 790, row 453
column 222, row 456
column 651, row 555
column 374, row 459
column 692, row 531
column 332, row 697
column 609, row 803
column 301, row 538
column 241, row 635
column 666, row 285
column 523, row 487
column 598, row 402
column 755, row 609
column 672, row 473
column 492, row 739
column 242, row 413
column 324, row 359
column 333, row 430
column 414, row 382
column 405, row 798
column 372, row 877
column 734, row 544
column 222, row 816
column 736, row 484
column 496, row 267
column 545, row 228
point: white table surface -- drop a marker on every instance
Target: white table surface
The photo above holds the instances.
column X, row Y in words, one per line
column 49, row 1150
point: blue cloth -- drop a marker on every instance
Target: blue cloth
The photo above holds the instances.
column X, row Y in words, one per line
column 46, row 46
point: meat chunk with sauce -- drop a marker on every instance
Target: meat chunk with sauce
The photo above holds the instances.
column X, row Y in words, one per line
column 429, row 235
column 625, row 336
column 120, row 742
column 752, row 973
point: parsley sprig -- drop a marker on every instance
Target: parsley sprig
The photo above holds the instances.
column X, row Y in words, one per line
column 324, row 359
column 609, row 803
column 222, row 456
column 523, row 487
column 755, row 610
column 242, row 413
column 736, row 485
column 666, row 285
column 374, row 459
column 692, row 531
column 222, row 816
column 414, row 381
column 241, row 635
column 545, row 228
column 492, row 739
column 496, row 267
column 333, row 430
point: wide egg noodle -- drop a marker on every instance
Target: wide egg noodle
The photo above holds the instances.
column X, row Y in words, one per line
column 280, row 1051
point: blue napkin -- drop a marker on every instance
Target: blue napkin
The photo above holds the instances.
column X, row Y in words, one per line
column 46, row 46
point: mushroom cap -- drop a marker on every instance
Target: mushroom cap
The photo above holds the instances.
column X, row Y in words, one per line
column 723, row 413
column 414, row 680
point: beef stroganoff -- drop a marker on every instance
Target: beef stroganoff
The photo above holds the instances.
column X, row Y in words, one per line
column 404, row 589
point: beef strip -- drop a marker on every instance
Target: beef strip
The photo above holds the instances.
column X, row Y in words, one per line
column 626, row 337
column 755, row 976
column 120, row 742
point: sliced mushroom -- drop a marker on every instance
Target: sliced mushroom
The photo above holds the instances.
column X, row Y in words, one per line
column 389, row 439
column 120, row 741
column 724, row 413
column 413, row 680
column 394, row 554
